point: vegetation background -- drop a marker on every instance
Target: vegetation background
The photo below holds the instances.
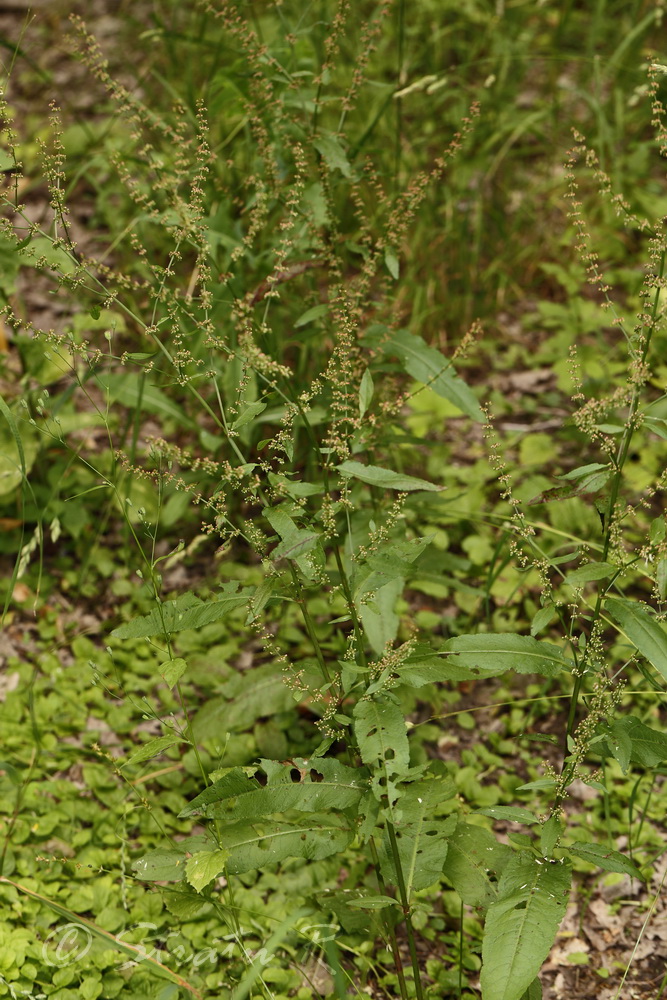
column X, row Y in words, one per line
column 332, row 457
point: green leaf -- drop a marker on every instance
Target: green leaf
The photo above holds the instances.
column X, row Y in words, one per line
column 391, row 263
column 382, row 737
column 336, row 787
column 204, row 866
column 186, row 612
column 173, row 670
column 152, row 749
column 541, row 619
column 550, row 835
column 642, row 630
column 419, row 670
column 297, row 543
column 366, row 390
column 379, row 618
column 248, row 414
column 521, row 925
column 385, row 478
column 490, row 654
column 428, row 365
column 315, row 313
column 473, row 855
column 18, row 451
column 511, row 814
column 647, row 747
column 255, row 845
column 609, row 861
column 332, row 152
column 372, row 902
column 534, row 991
column 421, row 835
column 245, row 697
column 135, row 391
column 161, row 866
column 583, row 471
column 590, row 573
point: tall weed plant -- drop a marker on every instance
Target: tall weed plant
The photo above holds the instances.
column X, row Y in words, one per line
column 247, row 357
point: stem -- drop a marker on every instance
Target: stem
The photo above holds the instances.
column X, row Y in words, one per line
column 391, row 930
column 405, row 903
column 310, row 624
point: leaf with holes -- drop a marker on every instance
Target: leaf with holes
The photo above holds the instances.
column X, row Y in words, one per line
column 474, row 860
column 382, row 736
column 521, row 924
column 254, row 845
column 324, row 785
column 421, row 836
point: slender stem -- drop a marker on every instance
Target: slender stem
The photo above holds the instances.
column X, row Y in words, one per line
column 310, row 624
column 391, row 930
column 407, row 913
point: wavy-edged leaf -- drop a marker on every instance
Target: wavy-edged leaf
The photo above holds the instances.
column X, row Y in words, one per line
column 246, row 697
column 203, row 866
column 632, row 740
column 590, row 573
column 303, row 796
column 386, row 479
column 641, row 629
column 490, row 654
column 521, row 924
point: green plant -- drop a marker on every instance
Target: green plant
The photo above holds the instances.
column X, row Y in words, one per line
column 254, row 363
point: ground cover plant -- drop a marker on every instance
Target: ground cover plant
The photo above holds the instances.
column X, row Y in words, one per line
column 332, row 486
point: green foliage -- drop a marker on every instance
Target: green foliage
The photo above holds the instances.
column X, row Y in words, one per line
column 273, row 379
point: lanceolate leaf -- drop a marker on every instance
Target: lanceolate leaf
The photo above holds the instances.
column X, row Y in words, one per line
column 490, row 654
column 642, row 630
column 152, row 749
column 609, row 861
column 386, row 479
column 522, row 924
column 428, row 365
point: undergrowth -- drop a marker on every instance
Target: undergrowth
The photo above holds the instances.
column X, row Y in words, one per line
column 239, row 388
